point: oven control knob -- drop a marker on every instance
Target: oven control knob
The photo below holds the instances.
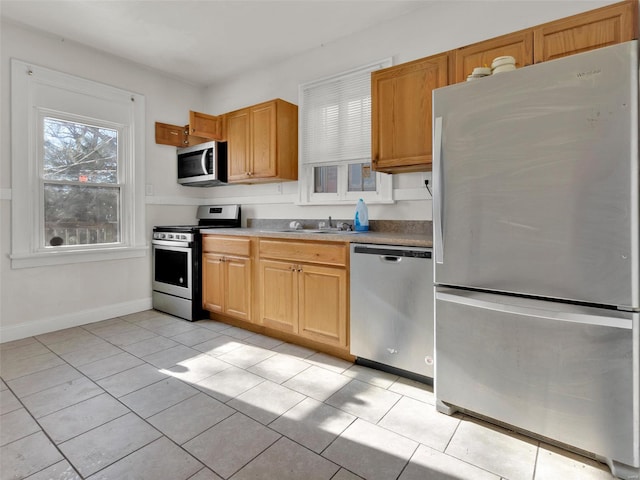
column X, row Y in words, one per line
column 169, row 235
column 161, row 235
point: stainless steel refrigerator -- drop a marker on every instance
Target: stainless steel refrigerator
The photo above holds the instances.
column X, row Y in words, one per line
column 536, row 258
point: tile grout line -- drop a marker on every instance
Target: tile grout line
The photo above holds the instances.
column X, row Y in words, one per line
column 46, row 434
column 280, row 435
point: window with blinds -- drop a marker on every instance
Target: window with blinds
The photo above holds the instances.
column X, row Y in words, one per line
column 335, row 126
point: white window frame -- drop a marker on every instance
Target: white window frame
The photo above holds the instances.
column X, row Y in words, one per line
column 37, row 92
column 306, row 193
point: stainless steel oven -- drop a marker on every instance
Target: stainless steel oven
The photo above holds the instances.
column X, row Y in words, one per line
column 173, row 267
column 177, row 261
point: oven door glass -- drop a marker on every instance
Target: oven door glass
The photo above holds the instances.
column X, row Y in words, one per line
column 172, row 270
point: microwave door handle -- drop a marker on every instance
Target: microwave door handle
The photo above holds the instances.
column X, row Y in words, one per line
column 203, row 161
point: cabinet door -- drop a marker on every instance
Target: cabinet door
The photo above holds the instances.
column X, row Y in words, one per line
column 279, row 295
column 238, row 145
column 323, row 304
column 519, row 45
column 238, row 287
column 206, row 126
column 597, row 28
column 401, row 114
column 263, row 141
column 213, row 289
column 167, row 134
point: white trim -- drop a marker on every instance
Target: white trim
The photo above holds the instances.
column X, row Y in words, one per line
column 36, row 89
column 51, row 324
column 68, row 257
column 399, row 194
column 5, row 194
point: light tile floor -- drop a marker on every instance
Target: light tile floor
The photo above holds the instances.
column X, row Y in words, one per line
column 150, row 396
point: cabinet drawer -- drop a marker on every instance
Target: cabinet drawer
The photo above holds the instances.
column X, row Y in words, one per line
column 309, row 252
column 228, row 245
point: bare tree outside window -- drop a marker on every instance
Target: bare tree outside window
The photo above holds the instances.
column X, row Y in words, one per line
column 80, row 184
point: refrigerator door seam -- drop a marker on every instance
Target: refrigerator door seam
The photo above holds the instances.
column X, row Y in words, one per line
column 626, row 324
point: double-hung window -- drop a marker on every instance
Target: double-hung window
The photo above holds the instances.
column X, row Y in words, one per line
column 81, row 183
column 335, row 140
column 77, row 169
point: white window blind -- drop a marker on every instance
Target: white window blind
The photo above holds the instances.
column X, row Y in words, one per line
column 335, row 140
column 336, row 117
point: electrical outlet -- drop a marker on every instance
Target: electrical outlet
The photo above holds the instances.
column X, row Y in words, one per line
column 148, row 189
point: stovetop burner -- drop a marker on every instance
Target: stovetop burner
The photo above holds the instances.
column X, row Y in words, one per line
column 209, row 216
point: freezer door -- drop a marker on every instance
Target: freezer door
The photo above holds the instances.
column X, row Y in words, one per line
column 536, row 180
column 563, row 372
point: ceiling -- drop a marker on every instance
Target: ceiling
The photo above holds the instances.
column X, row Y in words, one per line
column 204, row 41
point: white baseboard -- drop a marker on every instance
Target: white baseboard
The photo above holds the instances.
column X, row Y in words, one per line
column 51, row 324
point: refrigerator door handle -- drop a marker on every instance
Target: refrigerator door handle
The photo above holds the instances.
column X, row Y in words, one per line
column 437, row 190
column 574, row 317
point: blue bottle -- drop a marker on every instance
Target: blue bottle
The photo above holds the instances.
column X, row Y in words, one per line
column 361, row 220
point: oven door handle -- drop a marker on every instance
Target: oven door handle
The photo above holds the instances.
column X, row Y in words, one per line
column 165, row 243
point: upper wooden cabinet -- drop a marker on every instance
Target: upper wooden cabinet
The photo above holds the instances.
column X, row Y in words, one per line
column 401, row 95
column 602, row 27
column 401, row 114
column 263, row 143
column 202, row 128
column 167, row 134
column 519, row 45
column 206, row 126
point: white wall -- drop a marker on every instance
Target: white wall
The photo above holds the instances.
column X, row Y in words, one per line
column 35, row 300
column 438, row 27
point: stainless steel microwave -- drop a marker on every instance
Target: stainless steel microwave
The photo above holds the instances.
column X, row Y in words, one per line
column 203, row 165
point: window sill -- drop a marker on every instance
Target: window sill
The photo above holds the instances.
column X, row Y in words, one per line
column 46, row 259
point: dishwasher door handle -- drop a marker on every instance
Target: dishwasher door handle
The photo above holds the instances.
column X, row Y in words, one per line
column 390, row 259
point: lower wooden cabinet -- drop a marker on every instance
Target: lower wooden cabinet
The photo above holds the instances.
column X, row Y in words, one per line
column 227, row 277
column 279, row 295
column 304, row 289
column 322, row 304
column 299, row 289
column 307, row 300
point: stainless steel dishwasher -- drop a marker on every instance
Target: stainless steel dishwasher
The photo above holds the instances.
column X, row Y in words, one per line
column 392, row 307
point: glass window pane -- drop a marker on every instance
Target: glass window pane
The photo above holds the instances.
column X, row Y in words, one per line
column 325, row 179
column 81, row 215
column 361, row 178
column 75, row 152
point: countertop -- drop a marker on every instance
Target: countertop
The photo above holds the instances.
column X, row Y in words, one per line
column 381, row 238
